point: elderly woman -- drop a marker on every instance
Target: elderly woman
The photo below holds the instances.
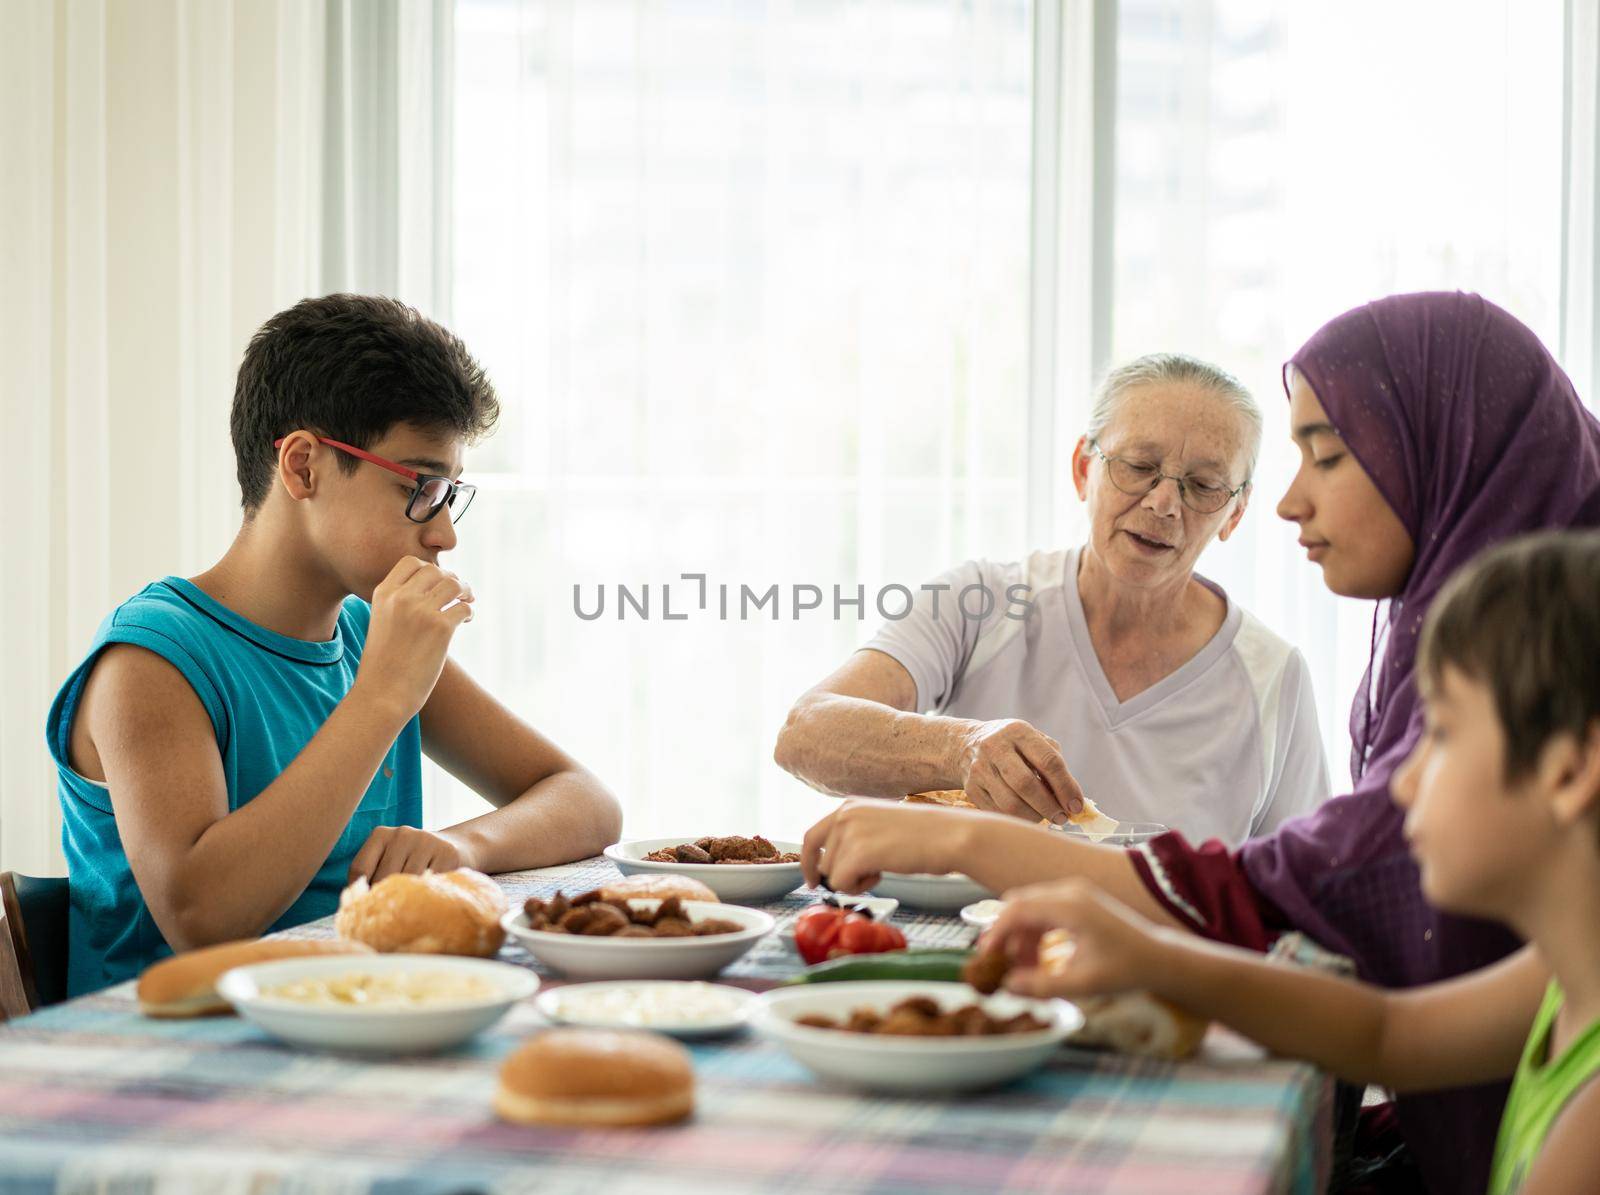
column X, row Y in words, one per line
column 1110, row 669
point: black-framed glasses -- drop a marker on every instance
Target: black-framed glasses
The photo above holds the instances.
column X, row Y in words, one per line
column 431, row 492
column 1200, row 493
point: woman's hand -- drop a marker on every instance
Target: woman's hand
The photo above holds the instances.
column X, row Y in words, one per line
column 1112, row 949
column 853, row 846
column 1010, row 767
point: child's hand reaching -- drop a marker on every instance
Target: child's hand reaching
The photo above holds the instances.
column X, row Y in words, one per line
column 1110, row 949
column 393, row 849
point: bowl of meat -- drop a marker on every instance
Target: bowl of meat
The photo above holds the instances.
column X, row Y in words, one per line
column 587, row 937
column 750, row 870
column 914, row 1037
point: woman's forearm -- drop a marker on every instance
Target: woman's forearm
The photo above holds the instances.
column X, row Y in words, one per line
column 849, row 746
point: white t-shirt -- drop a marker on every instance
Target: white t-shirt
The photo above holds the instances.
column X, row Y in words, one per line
column 1225, row 747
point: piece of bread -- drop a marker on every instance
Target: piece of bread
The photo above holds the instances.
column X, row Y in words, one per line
column 596, row 1077
column 657, row 887
column 954, row 798
column 1094, row 823
column 185, row 985
column 452, row 912
column 949, row 798
column 1130, row 1022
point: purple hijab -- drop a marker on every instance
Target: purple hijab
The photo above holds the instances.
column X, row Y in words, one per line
column 1472, row 434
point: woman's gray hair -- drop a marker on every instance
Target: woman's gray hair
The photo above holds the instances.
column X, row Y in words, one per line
column 1167, row 369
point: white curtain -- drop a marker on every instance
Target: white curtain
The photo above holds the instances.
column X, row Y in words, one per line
column 165, row 189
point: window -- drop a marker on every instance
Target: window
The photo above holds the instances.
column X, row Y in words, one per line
column 1278, row 163
column 753, row 282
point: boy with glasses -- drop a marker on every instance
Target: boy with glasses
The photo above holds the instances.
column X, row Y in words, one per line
column 238, row 746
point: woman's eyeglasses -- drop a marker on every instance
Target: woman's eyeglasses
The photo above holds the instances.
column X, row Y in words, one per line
column 1201, row 494
column 431, row 492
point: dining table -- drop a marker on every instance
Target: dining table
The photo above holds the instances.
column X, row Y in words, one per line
column 95, row 1097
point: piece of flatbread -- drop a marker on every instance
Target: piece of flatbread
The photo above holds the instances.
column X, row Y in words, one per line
column 1095, row 825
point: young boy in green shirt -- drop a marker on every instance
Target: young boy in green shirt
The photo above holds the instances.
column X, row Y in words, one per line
column 237, row 746
column 1502, row 800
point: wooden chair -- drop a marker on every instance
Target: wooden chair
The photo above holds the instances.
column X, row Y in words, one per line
column 33, row 943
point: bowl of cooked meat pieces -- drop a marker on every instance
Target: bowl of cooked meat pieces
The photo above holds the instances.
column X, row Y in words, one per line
column 589, row 937
column 750, row 870
column 918, row 1037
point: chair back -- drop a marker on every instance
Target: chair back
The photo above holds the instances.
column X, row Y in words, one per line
column 33, row 942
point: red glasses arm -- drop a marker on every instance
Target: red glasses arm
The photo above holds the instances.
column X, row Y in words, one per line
column 410, row 474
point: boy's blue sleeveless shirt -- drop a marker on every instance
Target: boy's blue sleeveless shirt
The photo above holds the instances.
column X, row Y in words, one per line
column 266, row 695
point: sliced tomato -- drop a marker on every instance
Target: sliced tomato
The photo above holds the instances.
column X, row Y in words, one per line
column 816, row 931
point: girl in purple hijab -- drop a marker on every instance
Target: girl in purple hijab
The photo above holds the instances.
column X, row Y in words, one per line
column 1430, row 427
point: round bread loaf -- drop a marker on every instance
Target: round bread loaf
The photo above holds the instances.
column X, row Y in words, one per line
column 596, row 1077
column 452, row 912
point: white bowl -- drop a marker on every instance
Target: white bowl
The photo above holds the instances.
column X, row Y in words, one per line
column 751, row 883
column 983, row 913
column 932, row 893
column 910, row 1064
column 641, row 1004
column 582, row 957
column 377, row 1030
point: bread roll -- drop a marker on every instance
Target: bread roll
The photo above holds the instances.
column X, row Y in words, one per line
column 1131, row 1022
column 657, row 887
column 596, row 1077
column 452, row 912
column 185, row 985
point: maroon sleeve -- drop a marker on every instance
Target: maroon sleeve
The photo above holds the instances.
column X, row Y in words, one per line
column 1206, row 889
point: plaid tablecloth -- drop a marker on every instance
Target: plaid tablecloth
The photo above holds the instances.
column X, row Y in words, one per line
column 94, row 1097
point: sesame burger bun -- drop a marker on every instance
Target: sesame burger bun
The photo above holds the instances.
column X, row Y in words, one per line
column 185, row 985
column 596, row 1078
column 452, row 912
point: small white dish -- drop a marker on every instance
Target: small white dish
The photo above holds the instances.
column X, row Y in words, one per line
column 931, row 893
column 1126, row 833
column 677, row 1008
column 383, row 1029
column 579, row 956
column 983, row 913
column 750, row 883
column 881, row 1062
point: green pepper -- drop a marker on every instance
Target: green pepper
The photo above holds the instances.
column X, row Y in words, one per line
column 934, row 965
